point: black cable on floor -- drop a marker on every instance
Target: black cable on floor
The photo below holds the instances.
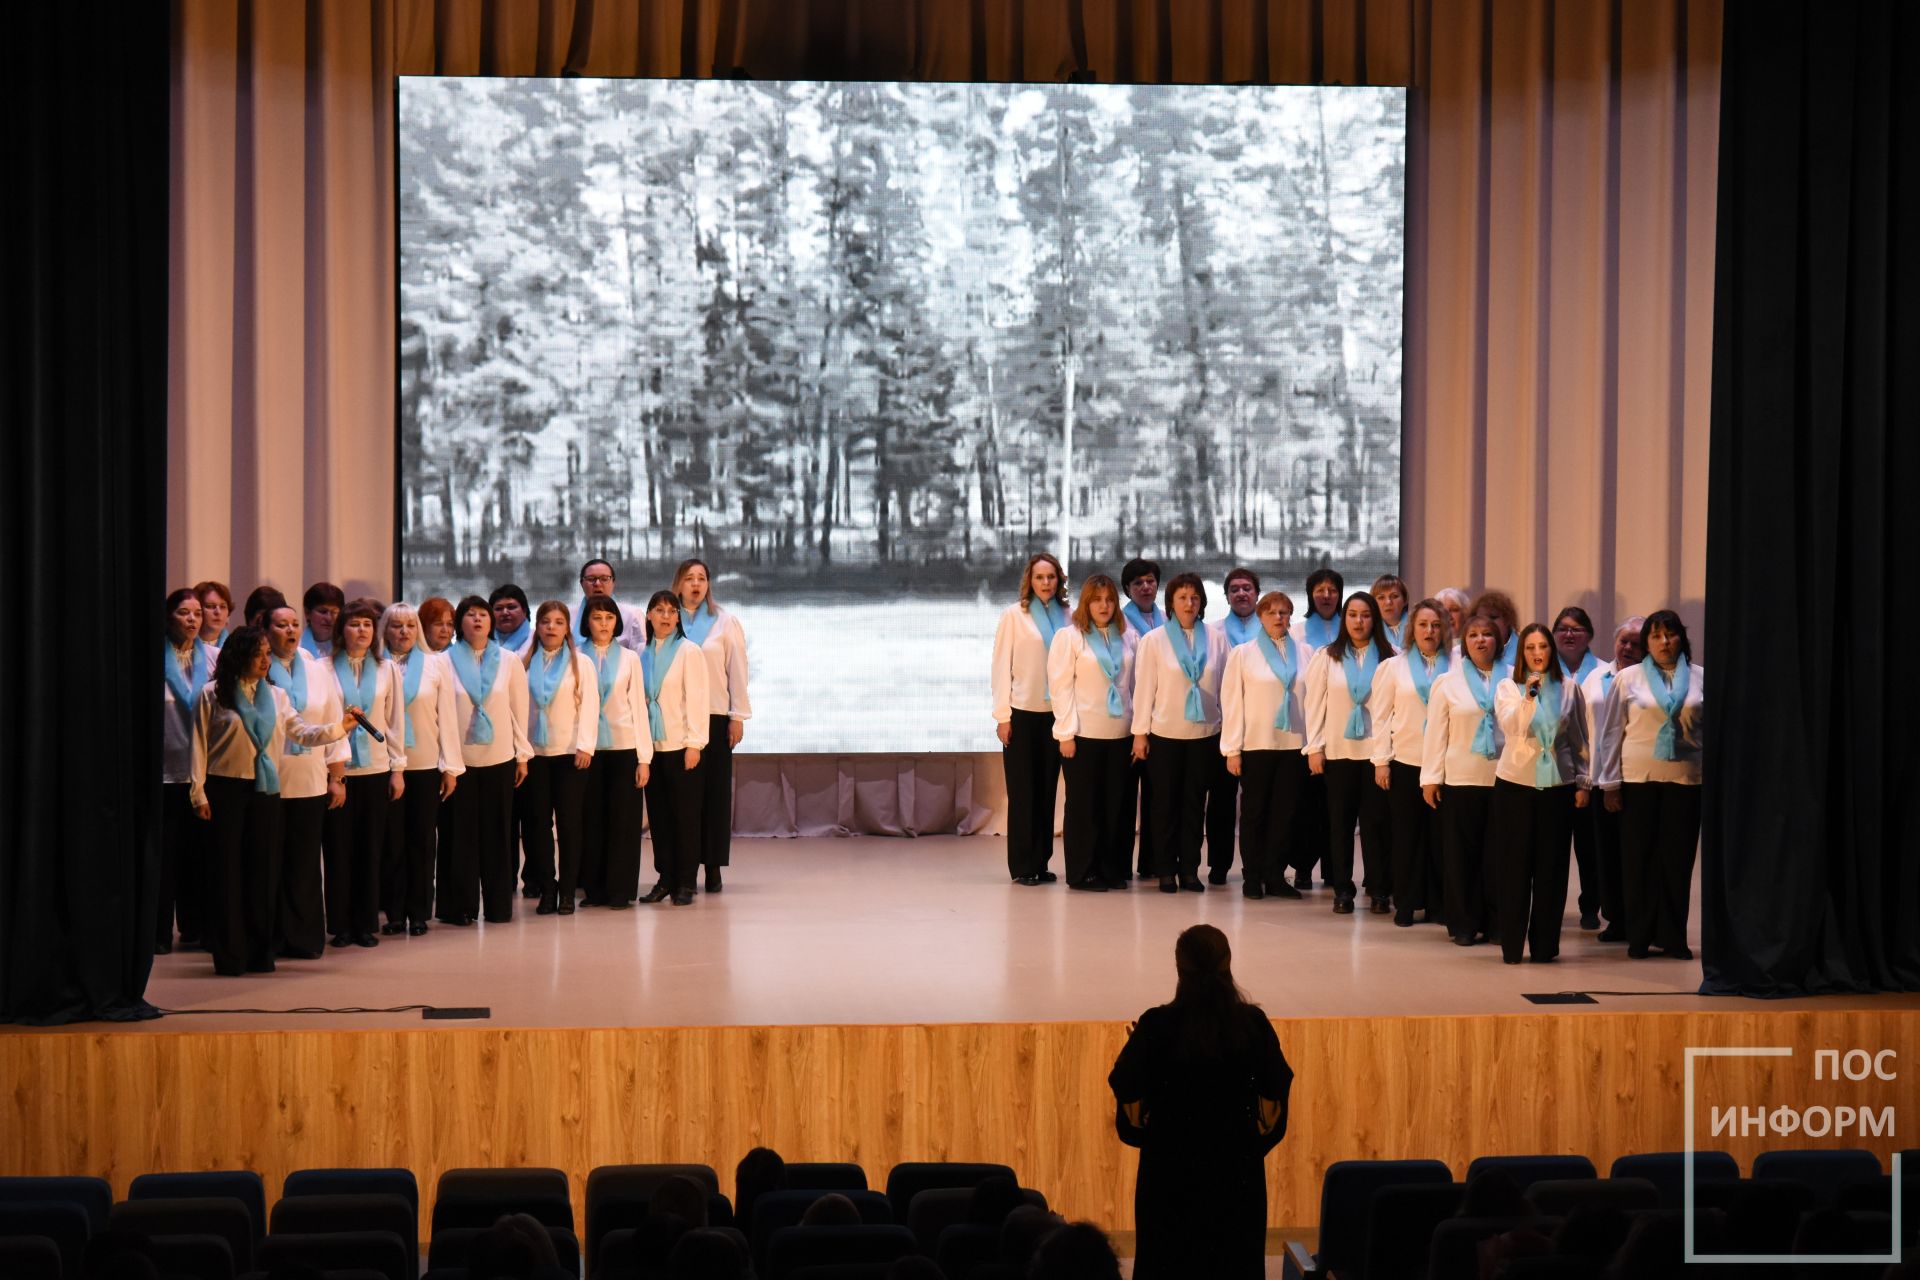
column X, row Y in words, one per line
column 404, row 1008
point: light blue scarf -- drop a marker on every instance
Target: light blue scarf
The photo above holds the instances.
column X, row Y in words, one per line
column 1397, row 633
column 410, row 689
column 1510, row 653
column 1193, row 660
column 605, row 679
column 543, row 681
column 1042, row 614
column 1359, row 689
column 476, row 678
column 293, row 678
column 1579, row 674
column 186, row 685
column 257, row 715
column 510, row 640
column 1546, row 731
column 1281, row 662
column 1143, row 622
column 313, row 646
column 1242, row 630
column 1424, row 675
column 655, row 661
column 1670, row 698
column 1321, row 631
column 697, row 623
column 1109, row 652
column 1481, row 687
column 358, row 694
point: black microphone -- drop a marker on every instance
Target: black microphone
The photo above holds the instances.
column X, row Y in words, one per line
column 366, row 724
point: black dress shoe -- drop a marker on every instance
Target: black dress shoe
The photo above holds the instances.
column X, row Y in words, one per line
column 1403, row 922
column 298, row 953
column 506, row 919
column 339, row 940
column 1303, row 883
column 392, row 927
column 1543, row 959
column 566, row 906
column 1380, row 906
column 1613, row 933
column 1029, row 881
column 365, row 940
column 1509, row 959
column 547, row 905
column 713, row 880
column 1169, row 885
column 659, row 893
column 1192, row 884
column 415, row 930
column 1343, row 906
column 1589, row 920
column 1249, row 889
column 1088, row 886
column 531, row 891
column 684, row 898
column 1046, row 877
column 1678, row 953
column 1281, row 889
column 1463, row 940
column 1216, row 876
column 592, row 900
column 1636, row 953
column 622, row 905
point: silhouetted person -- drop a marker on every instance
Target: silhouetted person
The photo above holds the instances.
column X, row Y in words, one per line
column 832, row 1210
column 682, row 1197
column 1202, row 1090
column 760, row 1170
column 1079, row 1251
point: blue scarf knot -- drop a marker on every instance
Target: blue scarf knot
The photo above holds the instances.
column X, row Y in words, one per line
column 1280, row 660
column 604, row 740
column 293, row 678
column 1481, row 687
column 1423, row 673
column 257, row 715
column 698, row 623
column 1359, row 689
column 1109, row 652
column 511, row 640
column 655, row 661
column 1242, row 630
column 1041, row 611
column 1143, row 622
column 359, row 694
column 1321, row 631
column 186, row 685
column 1192, row 657
column 410, row 689
column 1670, row 699
column 476, row 677
column 1546, row 731
column 543, row 681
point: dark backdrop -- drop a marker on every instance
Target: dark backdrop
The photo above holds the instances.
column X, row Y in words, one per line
column 83, row 322
column 1811, row 855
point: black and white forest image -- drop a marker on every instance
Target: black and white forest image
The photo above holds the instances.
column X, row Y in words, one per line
column 864, row 347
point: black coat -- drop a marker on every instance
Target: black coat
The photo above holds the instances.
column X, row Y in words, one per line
column 1200, row 1204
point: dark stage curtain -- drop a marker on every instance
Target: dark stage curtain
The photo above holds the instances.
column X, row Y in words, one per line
column 83, row 319
column 1811, row 862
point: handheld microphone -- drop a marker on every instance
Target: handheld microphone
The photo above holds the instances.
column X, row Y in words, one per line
column 366, row 724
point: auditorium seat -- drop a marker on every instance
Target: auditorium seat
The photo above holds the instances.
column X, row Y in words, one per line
column 1400, row 1227
column 30, row 1258
column 1455, row 1251
column 935, row 1209
column 1558, row 1197
column 327, row 1214
column 1761, row 1216
column 61, row 1222
column 242, row 1185
column 453, row 1247
column 1553, row 1268
column 218, row 1216
column 479, row 1197
column 354, row 1182
column 824, row 1176
column 1827, row 1172
column 795, row 1247
column 844, row 1271
column 1667, row 1170
column 905, row 1181
column 1347, row 1190
column 964, row 1246
column 777, row 1209
column 617, row 1196
column 1877, row 1197
column 381, row 1252
column 1527, row 1170
column 200, row 1257
column 91, row 1194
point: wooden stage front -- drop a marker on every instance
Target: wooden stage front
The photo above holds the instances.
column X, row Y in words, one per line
column 984, row 1020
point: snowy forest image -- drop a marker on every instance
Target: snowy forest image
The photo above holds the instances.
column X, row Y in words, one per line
column 864, row 347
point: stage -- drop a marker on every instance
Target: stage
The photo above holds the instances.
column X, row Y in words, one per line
column 883, row 1000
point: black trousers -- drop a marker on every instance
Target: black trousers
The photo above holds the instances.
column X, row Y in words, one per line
column 535, row 879
column 1223, row 814
column 1659, row 835
column 611, row 807
column 716, row 787
column 674, row 799
column 240, row 876
column 1533, row 825
column 552, row 799
column 1353, row 796
column 1271, row 785
column 1606, row 856
column 1464, row 826
column 1310, row 826
column 302, row 915
column 1586, row 858
column 479, row 861
column 1032, row 762
column 182, row 864
column 1179, row 771
column 1414, row 843
column 406, row 860
column 1097, row 834
column 1140, row 802
column 356, row 841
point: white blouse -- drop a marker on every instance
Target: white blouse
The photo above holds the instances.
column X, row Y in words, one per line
column 1330, row 703
column 382, row 757
column 1250, row 698
column 176, row 721
column 304, row 775
column 222, row 748
column 1079, row 685
column 1632, row 721
column 506, row 707
column 725, row 649
column 1020, row 662
column 1406, row 729
column 1571, row 754
column 1594, row 689
column 1160, row 685
column 1447, row 756
column 433, row 715
column 684, row 700
column 571, row 725
column 623, row 702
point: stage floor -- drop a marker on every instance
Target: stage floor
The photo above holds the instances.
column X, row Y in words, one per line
column 911, row 931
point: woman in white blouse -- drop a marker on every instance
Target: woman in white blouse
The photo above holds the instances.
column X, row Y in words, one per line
column 432, row 748
column 490, row 714
column 1573, row 641
column 723, row 642
column 186, row 662
column 375, row 777
column 674, row 676
column 623, row 751
column 242, row 728
column 1263, row 725
column 1090, row 680
column 1655, row 732
column 1627, row 652
column 1542, row 777
column 312, row 783
column 1399, row 753
column 1176, row 726
column 1023, row 717
column 1347, row 704
column 563, row 694
column 1457, row 765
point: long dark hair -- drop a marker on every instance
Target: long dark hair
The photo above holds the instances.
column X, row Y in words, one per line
column 1206, row 994
column 1382, row 647
column 1520, row 654
column 236, row 656
column 665, row 597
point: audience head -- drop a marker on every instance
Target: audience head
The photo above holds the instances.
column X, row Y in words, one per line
column 702, row 1254
column 1391, row 595
column 1499, row 606
column 1455, row 601
column 1186, row 599
column 1023, row 1231
column 760, row 1170
column 1324, row 588
column 1428, row 628
column 182, row 616
column 993, row 1199
column 1099, row 603
column 1572, row 636
column 1494, row 1194
column 261, row 601
column 322, row 604
column 216, row 609
column 358, row 628
column 399, row 628
column 509, row 605
column 1628, row 648
column 604, row 608
column 1243, row 589
column 1665, row 637
column 694, row 586
column 1042, row 579
column 1203, row 964
column 663, row 616
column 516, row 1247
column 831, row 1210
column 1140, row 579
column 473, row 621
column 683, row 1197
column 1077, row 1251
column 436, row 623
column 1275, row 611
column 596, row 578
